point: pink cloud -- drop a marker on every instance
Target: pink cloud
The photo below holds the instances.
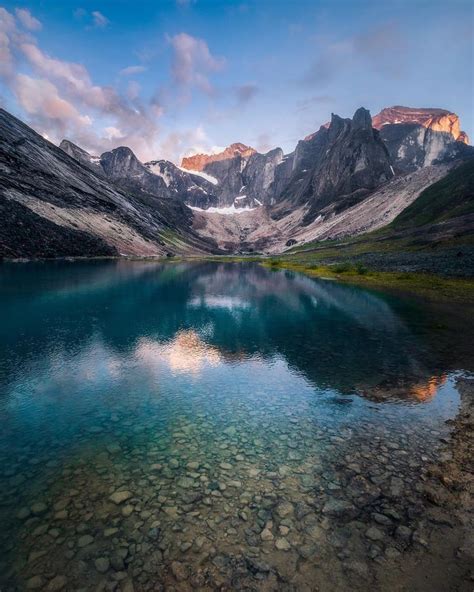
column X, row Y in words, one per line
column 193, row 63
column 28, row 20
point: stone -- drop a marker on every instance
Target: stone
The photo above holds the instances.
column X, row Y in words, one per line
column 127, row 510
column 85, row 540
column 374, row 534
column 23, row 513
column 282, row 544
column 266, row 535
column 284, row 509
column 102, row 564
column 339, row 509
column 403, row 533
column 35, row 583
column 113, row 448
column 39, row 508
column 179, row 570
column 118, row 497
column 56, row 584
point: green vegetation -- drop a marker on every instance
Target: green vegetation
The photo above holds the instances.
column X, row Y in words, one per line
column 449, row 198
column 423, row 284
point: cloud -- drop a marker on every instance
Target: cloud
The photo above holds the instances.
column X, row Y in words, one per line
column 131, row 70
column 96, row 19
column 99, row 20
column 318, row 100
column 27, row 19
column 39, row 97
column 264, row 143
column 380, row 49
column 187, row 142
column 60, row 99
column 193, row 64
column 245, row 93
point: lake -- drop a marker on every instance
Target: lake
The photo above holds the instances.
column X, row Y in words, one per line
column 215, row 426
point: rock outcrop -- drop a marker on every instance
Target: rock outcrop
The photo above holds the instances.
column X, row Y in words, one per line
column 417, row 138
column 437, row 120
column 338, row 166
column 198, row 162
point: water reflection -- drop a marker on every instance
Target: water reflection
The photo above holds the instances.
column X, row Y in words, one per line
column 186, row 315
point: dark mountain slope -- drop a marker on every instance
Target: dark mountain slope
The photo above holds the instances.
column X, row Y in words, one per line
column 94, row 215
column 342, row 164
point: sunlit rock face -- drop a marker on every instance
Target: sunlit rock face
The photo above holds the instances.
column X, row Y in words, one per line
column 438, row 120
column 198, row 162
column 417, row 138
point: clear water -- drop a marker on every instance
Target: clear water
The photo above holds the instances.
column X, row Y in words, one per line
column 259, row 422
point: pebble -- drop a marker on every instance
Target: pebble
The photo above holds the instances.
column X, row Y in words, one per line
column 102, row 564
column 374, row 534
column 56, row 584
column 282, row 544
column 85, row 540
column 179, row 571
column 120, row 496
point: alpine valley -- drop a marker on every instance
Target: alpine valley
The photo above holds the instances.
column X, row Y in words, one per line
column 404, row 177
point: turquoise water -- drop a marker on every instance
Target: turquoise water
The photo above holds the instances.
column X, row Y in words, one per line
column 207, row 425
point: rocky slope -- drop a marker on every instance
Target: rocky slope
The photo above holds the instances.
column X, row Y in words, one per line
column 54, row 205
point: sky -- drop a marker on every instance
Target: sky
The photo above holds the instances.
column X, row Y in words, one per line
column 175, row 77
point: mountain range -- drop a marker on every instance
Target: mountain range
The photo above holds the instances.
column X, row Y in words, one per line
column 352, row 176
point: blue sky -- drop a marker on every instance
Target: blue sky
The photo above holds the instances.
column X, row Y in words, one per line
column 177, row 76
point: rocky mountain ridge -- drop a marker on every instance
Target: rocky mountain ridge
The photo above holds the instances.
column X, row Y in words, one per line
column 55, row 205
column 65, row 201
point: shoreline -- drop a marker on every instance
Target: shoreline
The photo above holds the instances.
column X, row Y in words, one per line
column 427, row 285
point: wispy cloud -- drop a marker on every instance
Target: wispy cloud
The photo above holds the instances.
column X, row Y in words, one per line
column 99, row 20
column 27, row 19
column 131, row 70
column 193, row 64
column 380, row 48
column 94, row 19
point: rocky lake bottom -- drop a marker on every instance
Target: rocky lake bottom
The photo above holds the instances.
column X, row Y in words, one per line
column 225, row 427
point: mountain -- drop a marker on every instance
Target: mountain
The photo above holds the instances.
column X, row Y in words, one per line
column 198, row 162
column 344, row 180
column 345, row 162
column 417, row 138
column 437, row 120
column 53, row 205
column 81, row 155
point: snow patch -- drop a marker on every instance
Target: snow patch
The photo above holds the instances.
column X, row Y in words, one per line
column 156, row 170
column 209, row 178
column 239, row 197
column 228, row 210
